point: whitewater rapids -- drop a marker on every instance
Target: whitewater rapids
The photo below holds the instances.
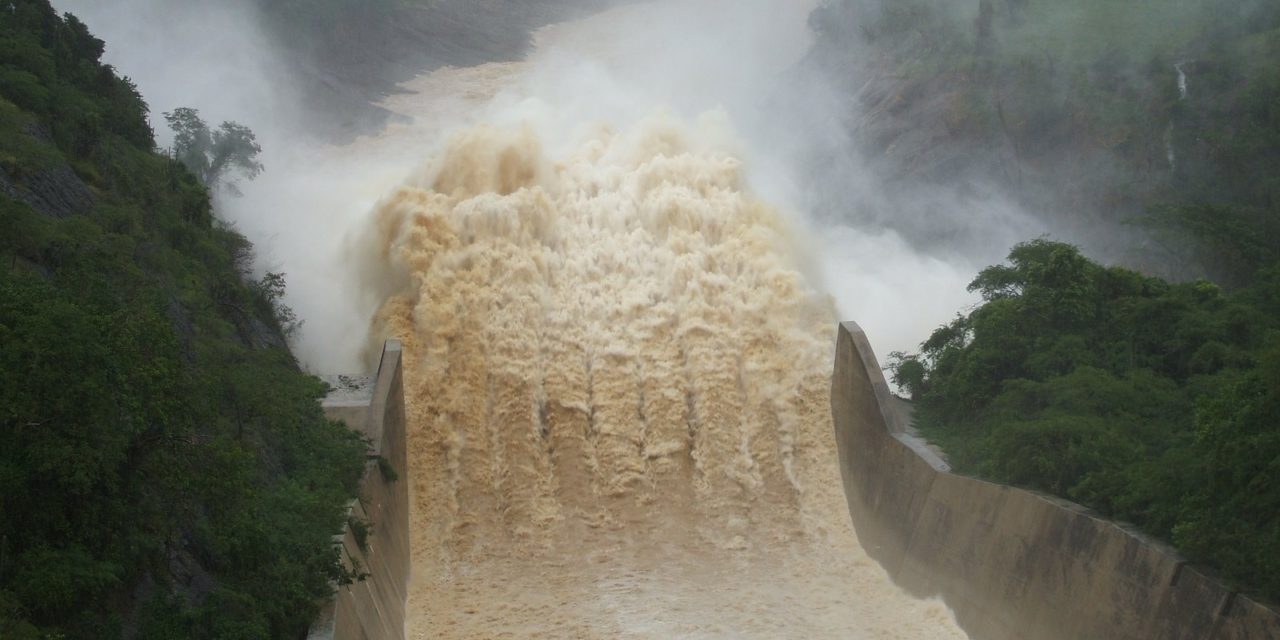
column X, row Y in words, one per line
column 618, row 392
column 618, row 386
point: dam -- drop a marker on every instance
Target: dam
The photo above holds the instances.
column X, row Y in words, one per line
column 615, row 368
column 1013, row 564
column 616, row 399
column 592, row 288
column 606, row 404
column 619, row 415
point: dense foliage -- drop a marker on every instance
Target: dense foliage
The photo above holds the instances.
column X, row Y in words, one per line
column 165, row 470
column 1153, row 402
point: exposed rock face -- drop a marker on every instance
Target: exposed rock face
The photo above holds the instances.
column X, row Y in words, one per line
column 57, row 192
column 958, row 150
column 7, row 187
column 263, row 336
column 183, row 328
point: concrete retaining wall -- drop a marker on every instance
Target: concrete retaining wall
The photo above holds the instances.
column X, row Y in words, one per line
column 1011, row 563
column 374, row 608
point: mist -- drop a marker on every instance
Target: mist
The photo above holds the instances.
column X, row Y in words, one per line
column 221, row 59
column 737, row 70
column 605, row 245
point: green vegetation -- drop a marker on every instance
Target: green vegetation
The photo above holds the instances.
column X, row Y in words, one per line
column 1153, row 402
column 210, row 155
column 165, row 470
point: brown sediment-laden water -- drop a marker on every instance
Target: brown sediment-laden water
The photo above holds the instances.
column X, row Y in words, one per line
column 617, row 379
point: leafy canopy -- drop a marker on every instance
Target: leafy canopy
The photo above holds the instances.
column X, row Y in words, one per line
column 165, row 468
column 1152, row 402
column 214, row 156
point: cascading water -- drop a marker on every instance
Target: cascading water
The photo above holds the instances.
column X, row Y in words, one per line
column 618, row 378
column 617, row 352
column 1170, row 154
column 618, row 396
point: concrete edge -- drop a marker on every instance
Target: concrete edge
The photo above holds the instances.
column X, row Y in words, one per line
column 375, row 606
column 893, row 421
column 1263, row 620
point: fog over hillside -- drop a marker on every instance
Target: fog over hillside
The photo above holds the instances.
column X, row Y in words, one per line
column 744, row 60
column 908, row 179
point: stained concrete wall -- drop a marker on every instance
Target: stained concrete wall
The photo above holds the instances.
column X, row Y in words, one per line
column 374, row 608
column 1011, row 563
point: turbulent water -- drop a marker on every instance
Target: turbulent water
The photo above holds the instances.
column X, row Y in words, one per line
column 617, row 356
column 619, row 401
column 617, row 370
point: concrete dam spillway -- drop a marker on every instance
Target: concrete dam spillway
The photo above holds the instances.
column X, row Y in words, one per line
column 617, row 390
column 606, row 300
column 616, row 367
column 618, row 402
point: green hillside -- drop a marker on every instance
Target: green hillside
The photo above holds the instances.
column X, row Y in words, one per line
column 1153, row 402
column 165, row 469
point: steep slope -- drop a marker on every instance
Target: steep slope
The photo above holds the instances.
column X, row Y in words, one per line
column 165, row 470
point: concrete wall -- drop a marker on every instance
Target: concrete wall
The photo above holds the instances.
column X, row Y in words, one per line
column 375, row 607
column 1009, row 562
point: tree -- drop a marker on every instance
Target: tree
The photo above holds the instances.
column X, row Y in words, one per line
column 1233, row 513
column 270, row 290
column 1149, row 401
column 211, row 155
column 908, row 373
column 164, row 473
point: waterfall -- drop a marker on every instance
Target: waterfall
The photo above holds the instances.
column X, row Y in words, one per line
column 1170, row 154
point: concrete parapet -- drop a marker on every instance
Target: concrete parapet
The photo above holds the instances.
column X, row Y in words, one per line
column 374, row 608
column 1011, row 563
